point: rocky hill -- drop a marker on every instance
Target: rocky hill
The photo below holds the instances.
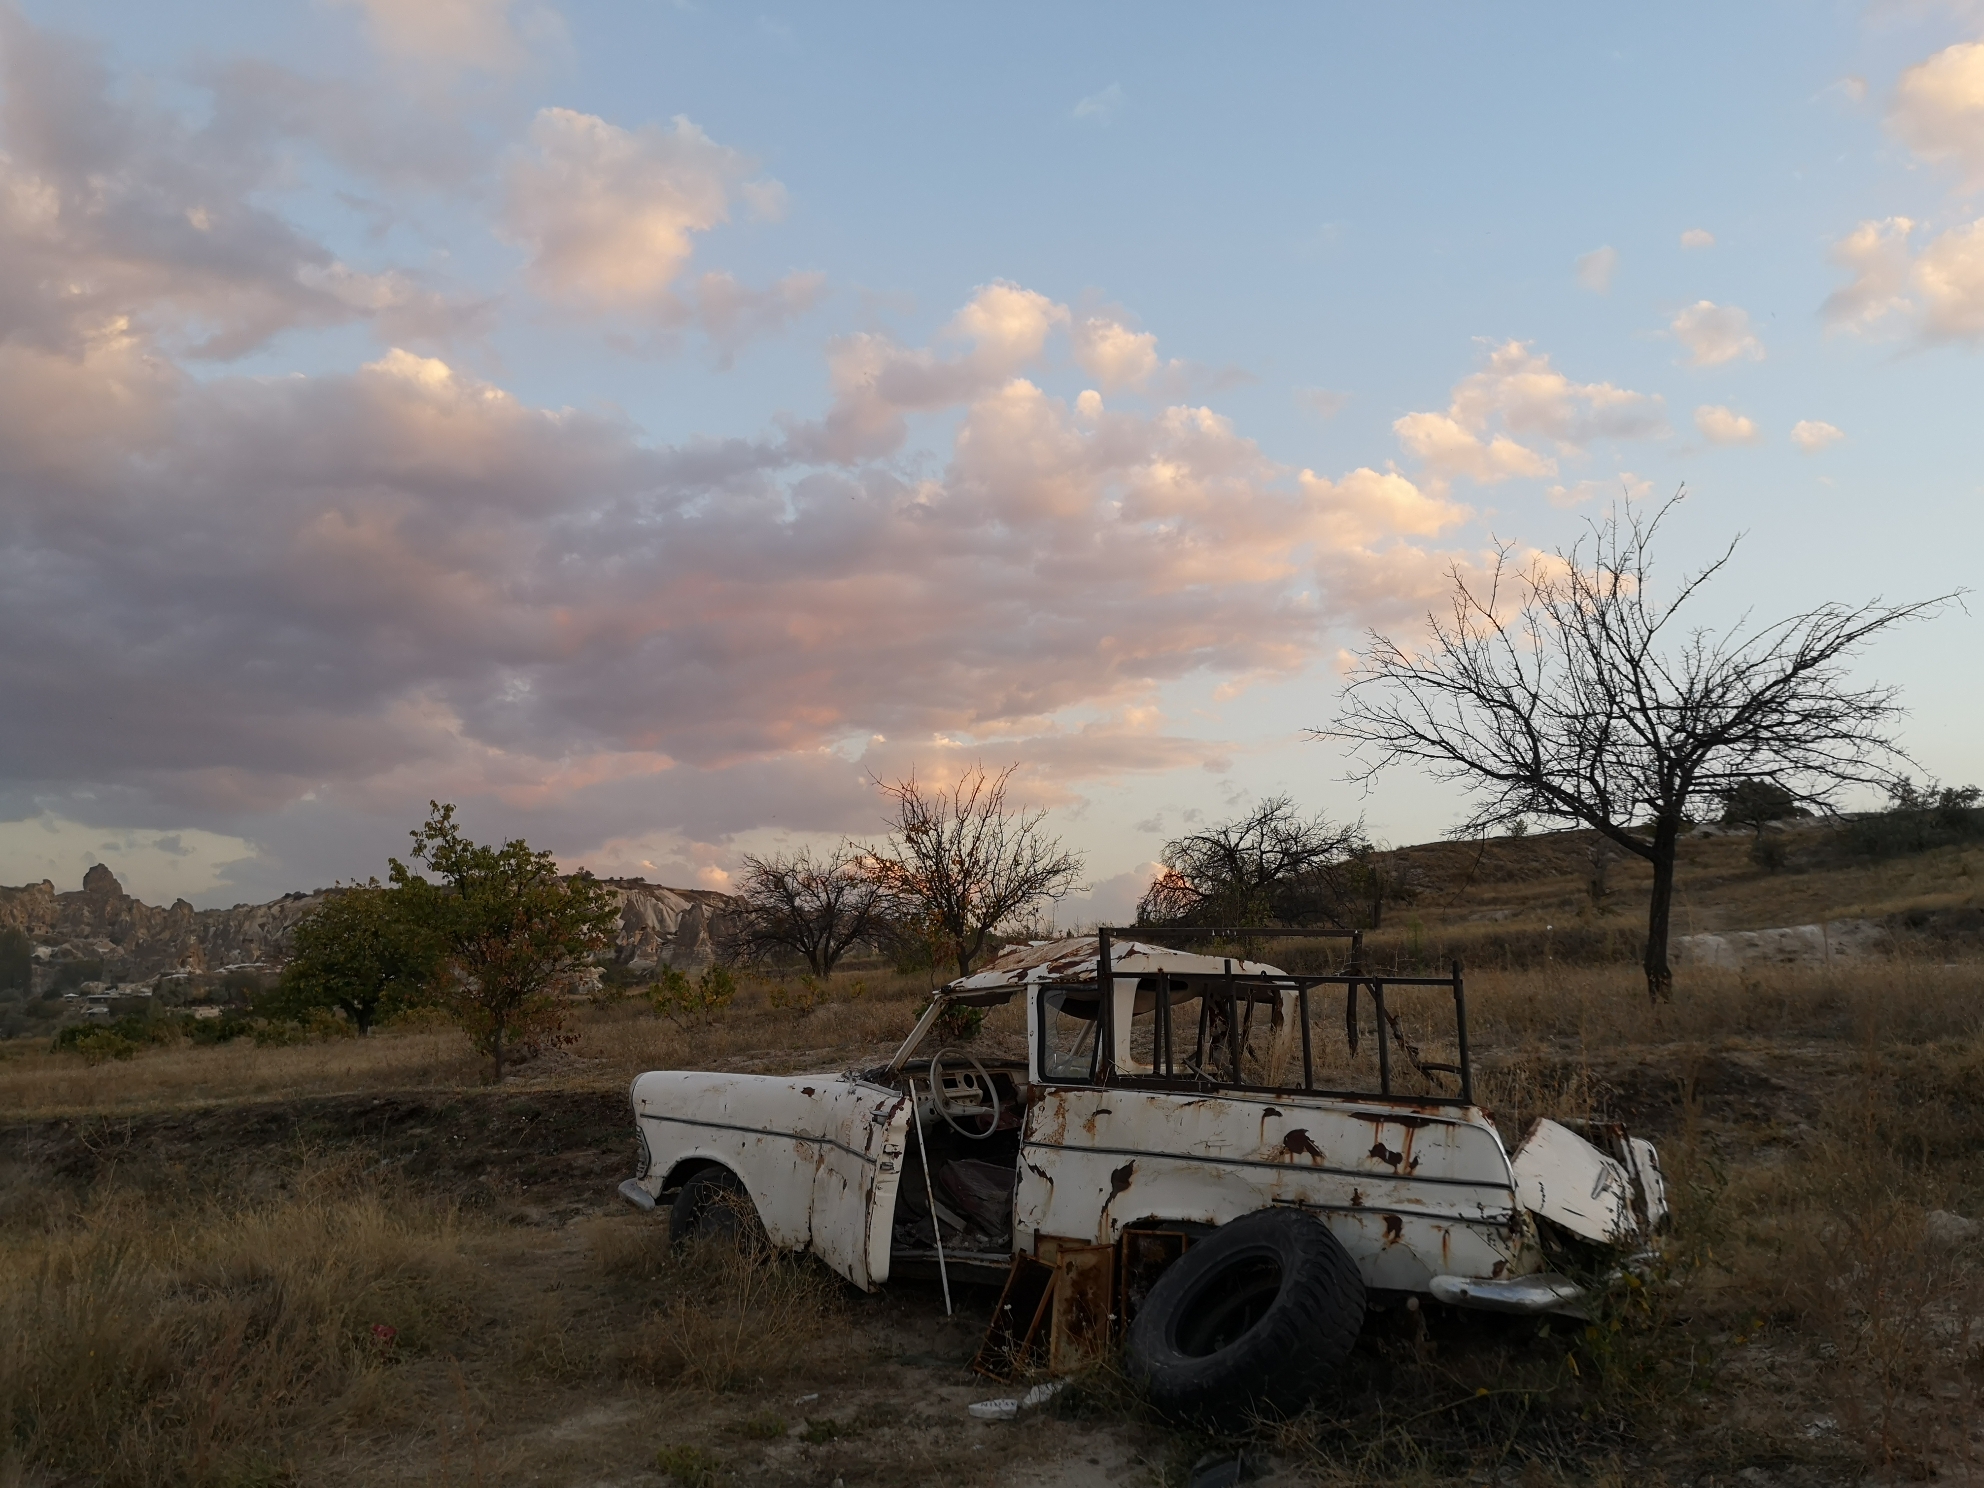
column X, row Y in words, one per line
column 102, row 934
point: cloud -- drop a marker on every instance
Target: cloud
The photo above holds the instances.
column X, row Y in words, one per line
column 260, row 598
column 1101, row 107
column 1446, row 446
column 1324, row 403
column 1720, row 425
column 1938, row 109
column 156, row 868
column 382, row 132
column 732, row 313
column 609, row 215
column 1113, row 354
column 1522, row 392
column 1714, row 334
column 877, row 382
column 1876, row 254
column 1938, row 292
column 1811, row 435
column 1697, row 237
column 119, row 221
column 490, row 35
column 1111, row 901
column 1595, row 269
column 1625, row 483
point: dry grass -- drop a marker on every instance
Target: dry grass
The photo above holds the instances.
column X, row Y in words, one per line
column 196, row 1346
column 37, row 1082
column 1804, row 1323
column 216, row 1341
column 720, row 1321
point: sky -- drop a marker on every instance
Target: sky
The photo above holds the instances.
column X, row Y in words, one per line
column 649, row 425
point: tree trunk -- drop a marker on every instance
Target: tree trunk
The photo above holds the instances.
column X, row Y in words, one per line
column 497, row 1049
column 1659, row 976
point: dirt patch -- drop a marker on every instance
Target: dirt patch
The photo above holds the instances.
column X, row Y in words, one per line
column 556, row 1153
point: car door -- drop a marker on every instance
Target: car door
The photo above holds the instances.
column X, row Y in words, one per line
column 856, row 1173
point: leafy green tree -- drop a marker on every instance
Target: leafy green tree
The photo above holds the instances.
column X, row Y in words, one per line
column 361, row 952
column 513, row 931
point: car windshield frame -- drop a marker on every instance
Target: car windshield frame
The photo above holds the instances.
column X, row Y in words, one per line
column 1238, row 992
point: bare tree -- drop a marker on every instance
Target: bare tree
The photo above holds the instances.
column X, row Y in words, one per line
column 1271, row 866
column 960, row 864
column 1564, row 690
column 814, row 907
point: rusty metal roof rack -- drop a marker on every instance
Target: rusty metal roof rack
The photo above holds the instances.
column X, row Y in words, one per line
column 1351, row 978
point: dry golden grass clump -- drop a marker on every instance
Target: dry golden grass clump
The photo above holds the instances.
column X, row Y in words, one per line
column 221, row 1341
column 720, row 1319
column 197, row 1343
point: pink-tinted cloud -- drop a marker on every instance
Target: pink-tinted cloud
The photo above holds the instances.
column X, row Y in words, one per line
column 246, row 590
column 285, row 600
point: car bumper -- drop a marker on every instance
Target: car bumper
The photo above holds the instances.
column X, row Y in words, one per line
column 1545, row 1292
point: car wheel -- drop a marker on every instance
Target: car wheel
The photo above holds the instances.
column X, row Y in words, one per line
column 713, row 1205
column 1260, row 1314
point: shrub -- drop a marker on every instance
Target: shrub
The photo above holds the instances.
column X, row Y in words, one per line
column 684, row 1002
column 1915, row 820
column 122, row 1039
column 960, row 1025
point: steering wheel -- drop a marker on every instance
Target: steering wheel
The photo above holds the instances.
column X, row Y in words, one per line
column 989, row 1108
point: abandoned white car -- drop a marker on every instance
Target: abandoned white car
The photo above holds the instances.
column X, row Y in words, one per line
column 1217, row 1162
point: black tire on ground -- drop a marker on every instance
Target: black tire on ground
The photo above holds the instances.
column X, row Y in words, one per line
column 713, row 1205
column 1259, row 1315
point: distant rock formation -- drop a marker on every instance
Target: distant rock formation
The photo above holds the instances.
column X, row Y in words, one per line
column 669, row 927
column 137, row 942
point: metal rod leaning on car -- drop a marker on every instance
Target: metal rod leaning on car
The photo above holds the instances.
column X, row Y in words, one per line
column 929, row 1193
column 1105, row 1011
column 1232, row 1025
column 1460, row 1035
column 1308, row 1057
column 1384, row 1047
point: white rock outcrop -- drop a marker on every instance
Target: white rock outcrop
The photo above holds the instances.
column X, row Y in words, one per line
column 1786, row 945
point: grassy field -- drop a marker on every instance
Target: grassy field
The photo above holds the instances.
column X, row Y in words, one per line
column 352, row 1262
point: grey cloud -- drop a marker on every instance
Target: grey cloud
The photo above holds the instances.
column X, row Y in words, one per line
column 153, row 225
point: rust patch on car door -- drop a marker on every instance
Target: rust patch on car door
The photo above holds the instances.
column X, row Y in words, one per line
column 1298, row 1143
column 1120, row 1180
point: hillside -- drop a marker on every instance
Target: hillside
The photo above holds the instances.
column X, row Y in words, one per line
column 1568, row 896
column 101, row 942
column 1509, row 901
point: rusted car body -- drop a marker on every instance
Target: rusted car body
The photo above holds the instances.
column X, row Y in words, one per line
column 1168, row 1092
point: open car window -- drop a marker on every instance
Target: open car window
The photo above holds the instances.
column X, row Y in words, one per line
column 1188, row 1035
column 1069, row 1026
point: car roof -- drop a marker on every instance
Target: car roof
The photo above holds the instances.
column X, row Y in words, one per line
column 1073, row 959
